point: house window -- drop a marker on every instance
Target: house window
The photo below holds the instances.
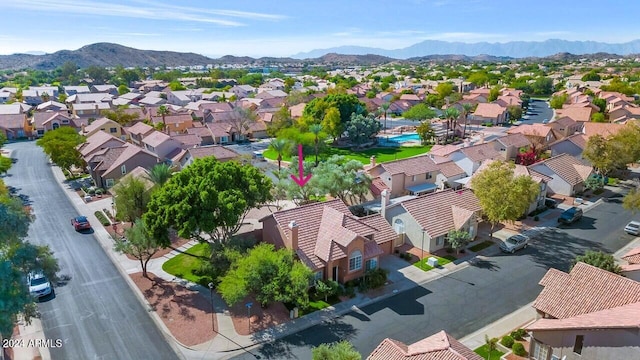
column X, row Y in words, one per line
column 543, row 186
column 55, row 126
column 371, row 264
column 110, row 182
column 577, row 347
column 317, row 276
column 355, row 261
column 428, row 176
column 439, row 240
column 65, row 121
column 413, row 178
column 113, row 130
column 123, row 168
column 398, row 226
column 540, row 351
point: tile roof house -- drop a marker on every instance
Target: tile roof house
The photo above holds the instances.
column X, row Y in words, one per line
column 580, row 114
column 587, row 314
column 439, row 346
column 329, row 239
column 138, row 131
column 631, row 270
column 108, row 165
column 174, row 122
column 539, row 134
column 49, row 120
column 564, row 126
column 572, row 145
column 415, row 175
column 606, row 130
column 106, row 125
column 511, row 145
column 160, row 144
column 15, row 126
column 567, row 174
column 98, row 141
column 51, row 106
column 220, row 152
column 489, row 112
column 470, row 158
column 425, row 221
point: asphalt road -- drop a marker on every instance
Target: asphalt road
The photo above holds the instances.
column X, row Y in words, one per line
column 538, row 111
column 93, row 311
column 467, row 300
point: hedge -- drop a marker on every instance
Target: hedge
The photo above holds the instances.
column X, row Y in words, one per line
column 102, row 218
column 518, row 349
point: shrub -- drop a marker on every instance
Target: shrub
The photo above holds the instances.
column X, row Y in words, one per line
column 99, row 191
column 373, row 279
column 507, row 341
column 518, row 349
column 91, row 191
column 518, row 334
column 102, row 218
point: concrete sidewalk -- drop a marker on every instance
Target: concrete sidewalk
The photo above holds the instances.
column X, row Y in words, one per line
column 501, row 327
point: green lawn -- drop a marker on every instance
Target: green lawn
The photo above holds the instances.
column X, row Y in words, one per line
column 184, row 265
column 422, row 264
column 483, row 245
column 482, row 351
column 383, row 154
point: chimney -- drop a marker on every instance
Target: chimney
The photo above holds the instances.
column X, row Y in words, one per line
column 293, row 226
column 82, row 128
column 372, row 161
column 384, row 202
column 97, row 108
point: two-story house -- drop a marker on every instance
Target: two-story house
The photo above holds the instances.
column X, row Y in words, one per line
column 14, row 126
column 49, row 120
column 511, row 145
column 567, row 174
column 138, row 131
column 160, row 144
column 539, row 135
column 470, row 158
column 108, row 165
column 572, row 145
column 564, row 127
column 489, row 113
column 221, row 153
column 98, row 141
column 106, row 125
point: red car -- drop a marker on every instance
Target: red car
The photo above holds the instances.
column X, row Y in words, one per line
column 80, row 223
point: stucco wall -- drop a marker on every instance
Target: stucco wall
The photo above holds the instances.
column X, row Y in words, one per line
column 609, row 344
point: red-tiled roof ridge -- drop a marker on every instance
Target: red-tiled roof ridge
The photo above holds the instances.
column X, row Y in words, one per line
column 439, row 346
column 632, row 256
column 619, row 317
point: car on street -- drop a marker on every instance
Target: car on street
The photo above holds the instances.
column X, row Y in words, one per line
column 570, row 215
column 514, row 242
column 80, row 223
column 38, row 284
column 633, row 228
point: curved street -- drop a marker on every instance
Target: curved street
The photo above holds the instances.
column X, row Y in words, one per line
column 94, row 312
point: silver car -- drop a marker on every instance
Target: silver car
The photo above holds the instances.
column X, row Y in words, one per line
column 38, row 284
column 633, row 228
column 515, row 242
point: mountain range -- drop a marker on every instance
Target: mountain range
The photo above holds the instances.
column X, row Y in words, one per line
column 110, row 55
column 513, row 49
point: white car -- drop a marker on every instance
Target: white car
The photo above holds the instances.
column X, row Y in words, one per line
column 38, row 284
column 515, row 242
column 633, row 228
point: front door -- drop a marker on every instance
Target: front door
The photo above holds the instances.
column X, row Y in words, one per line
column 335, row 273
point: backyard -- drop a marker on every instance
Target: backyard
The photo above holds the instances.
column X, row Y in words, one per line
column 382, row 154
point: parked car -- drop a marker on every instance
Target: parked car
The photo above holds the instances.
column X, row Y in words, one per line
column 38, row 284
column 550, row 203
column 80, row 223
column 633, row 228
column 570, row 215
column 514, row 242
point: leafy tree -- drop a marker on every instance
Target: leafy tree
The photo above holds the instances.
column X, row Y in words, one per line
column 494, row 93
column 140, row 244
column 327, row 288
column 331, row 122
column 269, row 274
column 601, row 103
column 316, row 130
column 342, row 178
column 515, row 112
column 598, row 117
column 426, row 132
column 342, row 350
column 361, row 129
column 542, row 86
column 128, row 75
column 503, row 196
column 458, row 239
column 479, row 78
column 176, row 86
column 444, row 89
column 120, row 116
column 3, row 140
column 281, row 120
column 594, row 183
column 600, row 260
column 451, row 114
column 5, row 164
column 131, row 199
column 123, row 89
column 419, row 112
column 280, row 146
column 160, row 174
column 163, row 111
column 605, row 155
column 557, row 101
column 68, row 70
column 207, row 197
column 591, row 76
column 241, row 119
column 631, row 201
column 491, row 344
column 99, row 74
column 60, row 145
column 346, row 105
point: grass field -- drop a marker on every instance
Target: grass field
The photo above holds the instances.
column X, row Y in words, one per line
column 184, row 265
column 383, row 154
column 422, row 264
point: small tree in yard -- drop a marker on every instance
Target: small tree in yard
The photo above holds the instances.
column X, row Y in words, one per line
column 600, row 260
column 361, row 129
column 491, row 344
column 342, row 350
column 594, row 183
column 140, row 244
column 458, row 239
column 326, row 288
column 426, row 132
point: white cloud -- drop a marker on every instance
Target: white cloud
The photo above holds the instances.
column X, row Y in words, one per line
column 466, row 37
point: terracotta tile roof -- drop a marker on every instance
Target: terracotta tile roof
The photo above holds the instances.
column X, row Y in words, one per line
column 323, row 227
column 155, row 138
column 563, row 122
column 633, row 256
column 604, row 129
column 201, row 131
column 480, row 152
column 42, row 118
column 377, row 185
column 435, row 212
column 582, row 114
column 189, row 140
column 621, row 317
column 384, row 231
column 579, row 139
column 172, row 119
column 16, row 121
column 99, row 123
column 518, row 140
column 130, row 151
column 139, row 128
column 586, row 289
column 217, row 151
column 219, row 129
column 569, row 168
column 489, row 110
column 96, row 141
column 439, row 346
column 630, row 267
column 450, row 168
column 411, row 166
column 530, row 130
column 443, row 150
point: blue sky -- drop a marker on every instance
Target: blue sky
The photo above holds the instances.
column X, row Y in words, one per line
column 286, row 27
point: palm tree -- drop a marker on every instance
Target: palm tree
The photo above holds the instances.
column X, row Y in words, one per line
column 160, row 174
column 279, row 146
column 163, row 111
column 466, row 110
column 451, row 114
column 315, row 130
column 385, row 108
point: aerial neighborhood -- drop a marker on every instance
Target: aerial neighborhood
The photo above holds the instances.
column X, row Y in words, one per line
column 414, row 205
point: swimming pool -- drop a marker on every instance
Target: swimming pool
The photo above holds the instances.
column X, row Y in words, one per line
column 404, row 138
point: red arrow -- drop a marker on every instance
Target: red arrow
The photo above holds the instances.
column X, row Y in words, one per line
column 301, row 180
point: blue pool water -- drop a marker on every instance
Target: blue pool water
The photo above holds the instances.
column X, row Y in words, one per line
column 404, row 138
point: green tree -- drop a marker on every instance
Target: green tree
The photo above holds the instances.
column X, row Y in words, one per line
column 120, row 116
column 419, row 112
column 68, row 70
column 598, row 117
column 316, row 130
column 491, row 344
column 458, row 239
column 494, row 93
column 5, row 164
column 426, row 132
column 444, row 89
column 631, row 201
column 163, row 111
column 327, row 288
column 467, row 108
column 385, row 111
column 346, row 105
column 281, row 120
column 206, row 198
column 503, row 196
column 123, row 89
column 60, row 145
column 140, row 244
column 600, row 260
column 300, row 195
column 451, row 114
column 605, row 155
column 160, row 174
column 342, row 350
column 600, row 103
column 176, row 86
column 591, row 76
column 99, row 74
column 479, row 78
column 331, row 123
column 280, row 146
column 361, row 129
column 270, row 275
column 515, row 112
column 557, row 101
column 594, row 182
column 342, row 178
column 131, row 199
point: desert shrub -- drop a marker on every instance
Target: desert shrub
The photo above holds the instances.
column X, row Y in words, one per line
column 518, row 334
column 373, row 279
column 518, row 349
column 507, row 341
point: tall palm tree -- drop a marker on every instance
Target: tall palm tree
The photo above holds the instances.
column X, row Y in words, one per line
column 451, row 114
column 279, row 146
column 160, row 174
column 466, row 110
column 385, row 108
column 163, row 111
column 315, row 130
